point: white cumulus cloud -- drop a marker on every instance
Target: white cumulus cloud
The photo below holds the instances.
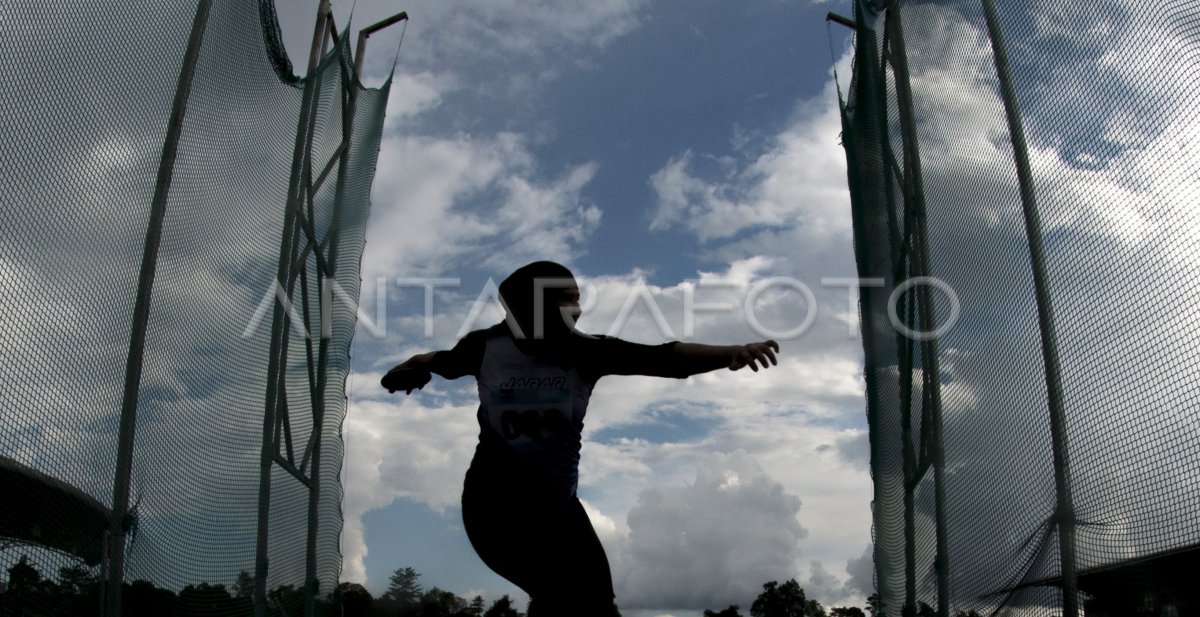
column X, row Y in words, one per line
column 698, row 545
column 439, row 202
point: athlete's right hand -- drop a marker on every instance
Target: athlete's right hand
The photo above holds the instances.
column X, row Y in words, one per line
column 404, row 378
column 755, row 355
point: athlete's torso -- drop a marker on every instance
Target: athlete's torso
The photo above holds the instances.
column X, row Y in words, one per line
column 530, row 415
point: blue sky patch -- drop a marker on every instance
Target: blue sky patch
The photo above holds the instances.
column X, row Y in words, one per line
column 664, row 426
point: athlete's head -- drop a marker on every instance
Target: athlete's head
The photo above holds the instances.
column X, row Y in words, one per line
column 543, row 298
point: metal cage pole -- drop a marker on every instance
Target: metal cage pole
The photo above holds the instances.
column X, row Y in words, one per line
column 366, row 33
column 900, row 234
column 115, row 545
column 870, row 85
column 325, row 280
column 931, row 381
column 1064, row 508
column 317, row 389
column 275, row 408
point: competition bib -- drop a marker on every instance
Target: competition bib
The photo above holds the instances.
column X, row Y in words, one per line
column 530, row 405
column 531, row 413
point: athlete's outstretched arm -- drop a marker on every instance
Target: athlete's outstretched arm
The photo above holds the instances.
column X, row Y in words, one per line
column 613, row 356
column 704, row 358
column 416, row 371
column 422, row 362
column 412, row 374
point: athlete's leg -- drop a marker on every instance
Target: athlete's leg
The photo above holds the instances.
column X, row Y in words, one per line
column 578, row 582
column 547, row 549
column 498, row 530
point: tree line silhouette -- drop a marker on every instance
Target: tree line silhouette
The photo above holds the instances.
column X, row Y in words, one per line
column 789, row 600
column 77, row 593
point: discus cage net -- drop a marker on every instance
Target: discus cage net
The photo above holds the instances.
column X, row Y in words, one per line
column 1025, row 181
column 183, row 223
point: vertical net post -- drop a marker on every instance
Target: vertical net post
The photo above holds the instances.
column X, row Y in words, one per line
column 316, row 389
column 275, row 408
column 324, row 282
column 914, row 191
column 900, row 233
column 869, row 156
column 1065, row 510
column 901, row 269
column 115, row 543
column 327, row 271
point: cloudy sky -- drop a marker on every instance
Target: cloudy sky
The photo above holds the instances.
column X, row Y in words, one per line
column 675, row 155
column 683, row 159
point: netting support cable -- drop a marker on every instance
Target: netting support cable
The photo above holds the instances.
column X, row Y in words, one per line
column 275, row 399
column 1065, row 510
column 931, row 382
column 114, row 567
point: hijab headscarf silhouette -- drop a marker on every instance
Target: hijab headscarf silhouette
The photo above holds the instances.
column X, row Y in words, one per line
column 530, row 296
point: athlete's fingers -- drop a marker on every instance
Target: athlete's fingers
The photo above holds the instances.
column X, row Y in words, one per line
column 755, row 355
column 768, row 349
column 762, row 354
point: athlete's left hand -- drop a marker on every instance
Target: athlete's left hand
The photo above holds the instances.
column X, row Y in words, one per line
column 404, row 378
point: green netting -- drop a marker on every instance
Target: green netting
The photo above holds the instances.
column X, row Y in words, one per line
column 981, row 503
column 88, row 93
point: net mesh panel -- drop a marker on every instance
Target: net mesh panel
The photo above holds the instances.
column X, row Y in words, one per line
column 88, row 93
column 1108, row 93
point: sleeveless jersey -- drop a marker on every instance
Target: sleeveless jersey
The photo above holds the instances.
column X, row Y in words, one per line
column 531, row 414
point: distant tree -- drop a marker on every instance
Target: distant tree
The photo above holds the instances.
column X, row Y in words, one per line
column 786, row 600
column 476, row 608
column 732, row 611
column 77, row 592
column 383, row 606
column 404, row 588
column 438, row 603
column 142, row 599
column 22, row 576
column 354, row 599
column 848, row 611
column 243, row 587
column 502, row 608
column 76, row 580
column 27, row 592
column 205, row 599
column 284, row 601
column 812, row 608
column 874, row 606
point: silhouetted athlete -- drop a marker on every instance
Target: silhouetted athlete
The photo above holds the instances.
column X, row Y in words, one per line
column 535, row 373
